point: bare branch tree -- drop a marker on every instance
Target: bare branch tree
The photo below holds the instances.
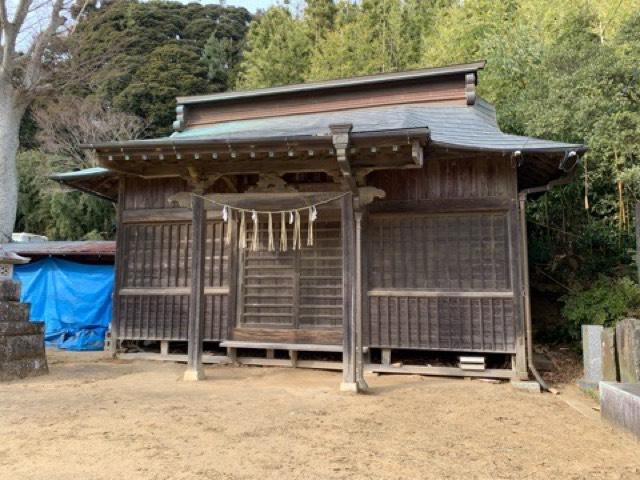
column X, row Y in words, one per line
column 67, row 122
column 33, row 39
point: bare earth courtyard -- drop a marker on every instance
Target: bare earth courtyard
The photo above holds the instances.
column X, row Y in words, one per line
column 95, row 418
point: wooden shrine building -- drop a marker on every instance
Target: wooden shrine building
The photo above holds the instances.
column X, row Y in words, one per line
column 419, row 242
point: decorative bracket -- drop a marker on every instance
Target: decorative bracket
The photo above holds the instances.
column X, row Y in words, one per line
column 470, row 88
column 179, row 123
column 341, row 140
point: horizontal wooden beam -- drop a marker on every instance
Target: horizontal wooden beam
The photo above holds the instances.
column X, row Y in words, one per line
column 442, row 371
column 301, row 347
column 448, row 205
column 164, row 215
column 405, row 292
column 170, row 291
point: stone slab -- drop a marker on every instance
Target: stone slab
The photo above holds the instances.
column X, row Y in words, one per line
column 10, row 329
column 609, row 360
column 592, row 354
column 26, row 367
column 531, row 387
column 628, row 348
column 620, row 405
column 9, row 290
column 21, row 346
column 14, row 311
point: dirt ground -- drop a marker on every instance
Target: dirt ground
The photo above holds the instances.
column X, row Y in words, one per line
column 94, row 418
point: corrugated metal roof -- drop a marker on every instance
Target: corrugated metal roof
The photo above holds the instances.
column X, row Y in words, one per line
column 338, row 83
column 465, row 127
column 103, row 248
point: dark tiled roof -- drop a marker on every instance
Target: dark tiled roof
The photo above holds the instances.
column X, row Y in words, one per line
column 465, row 127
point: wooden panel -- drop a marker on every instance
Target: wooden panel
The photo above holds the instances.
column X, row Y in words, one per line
column 159, row 255
column 460, row 178
column 166, row 317
column 445, row 90
column 293, row 289
column 444, row 323
column 456, row 252
column 151, row 193
column 152, row 301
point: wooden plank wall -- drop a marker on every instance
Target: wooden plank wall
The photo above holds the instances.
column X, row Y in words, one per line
column 439, row 258
column 154, row 266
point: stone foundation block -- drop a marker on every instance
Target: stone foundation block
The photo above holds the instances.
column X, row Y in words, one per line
column 620, row 405
column 628, row 346
column 9, row 290
column 25, row 367
column 17, row 347
column 14, row 312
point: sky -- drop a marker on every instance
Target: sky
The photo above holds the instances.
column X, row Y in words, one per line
column 252, row 5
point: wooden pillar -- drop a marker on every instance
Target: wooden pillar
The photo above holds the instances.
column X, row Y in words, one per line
column 519, row 268
column 362, row 384
column 349, row 378
column 196, row 300
column 119, row 274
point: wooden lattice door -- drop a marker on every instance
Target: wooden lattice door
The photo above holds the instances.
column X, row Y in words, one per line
column 293, row 295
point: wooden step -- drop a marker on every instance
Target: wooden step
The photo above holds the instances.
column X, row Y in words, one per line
column 299, row 347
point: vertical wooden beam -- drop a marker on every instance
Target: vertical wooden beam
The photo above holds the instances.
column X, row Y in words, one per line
column 164, row 348
column 120, row 267
column 196, row 299
column 358, row 302
column 349, row 379
column 517, row 252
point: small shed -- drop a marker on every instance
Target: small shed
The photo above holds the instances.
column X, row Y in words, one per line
column 419, row 242
column 69, row 286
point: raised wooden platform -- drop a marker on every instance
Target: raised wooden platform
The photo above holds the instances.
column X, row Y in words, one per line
column 300, row 347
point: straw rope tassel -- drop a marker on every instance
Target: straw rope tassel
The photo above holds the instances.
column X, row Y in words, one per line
column 283, row 232
column 271, row 247
column 312, row 218
column 243, row 232
column 254, row 242
column 297, row 239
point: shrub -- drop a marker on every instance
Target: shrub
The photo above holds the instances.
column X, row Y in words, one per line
column 607, row 301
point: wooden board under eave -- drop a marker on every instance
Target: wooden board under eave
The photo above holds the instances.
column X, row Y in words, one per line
column 445, row 90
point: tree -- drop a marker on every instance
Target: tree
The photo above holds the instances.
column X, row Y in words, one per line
column 149, row 33
column 67, row 122
column 171, row 70
column 23, row 77
column 277, row 51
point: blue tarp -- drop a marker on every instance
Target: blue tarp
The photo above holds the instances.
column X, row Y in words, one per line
column 72, row 299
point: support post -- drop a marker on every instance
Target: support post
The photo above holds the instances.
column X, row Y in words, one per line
column 196, row 300
column 362, row 384
column 349, row 379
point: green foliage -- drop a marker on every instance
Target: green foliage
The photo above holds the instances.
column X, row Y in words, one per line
column 154, row 51
column 46, row 209
column 277, row 50
column 606, row 302
column 171, row 70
